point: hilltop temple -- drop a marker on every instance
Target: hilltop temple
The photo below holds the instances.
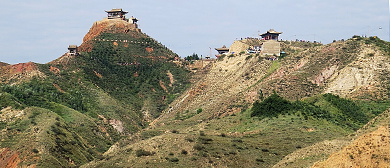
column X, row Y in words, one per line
column 120, row 14
column 267, row 46
column 271, row 34
column 222, row 50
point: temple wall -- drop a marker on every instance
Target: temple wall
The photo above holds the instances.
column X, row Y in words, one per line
column 271, row 47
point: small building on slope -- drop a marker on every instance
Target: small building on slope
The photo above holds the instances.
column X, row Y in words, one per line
column 222, row 50
column 72, row 50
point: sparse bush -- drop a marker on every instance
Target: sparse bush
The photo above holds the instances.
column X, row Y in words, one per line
column 204, row 140
column 201, row 133
column 259, row 160
column 184, row 152
column 198, row 147
column 174, row 159
column 264, row 150
column 141, row 152
column 237, row 140
column 175, row 131
column 189, row 139
column 232, row 152
column 35, row 150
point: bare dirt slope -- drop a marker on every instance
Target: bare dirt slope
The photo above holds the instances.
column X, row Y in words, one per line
column 369, row 150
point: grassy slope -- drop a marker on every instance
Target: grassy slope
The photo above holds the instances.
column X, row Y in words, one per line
column 72, row 108
column 233, row 141
column 239, row 140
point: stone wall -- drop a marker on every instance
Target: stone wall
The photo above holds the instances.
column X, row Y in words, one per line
column 271, row 47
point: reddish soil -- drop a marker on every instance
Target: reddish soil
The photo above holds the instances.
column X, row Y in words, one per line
column 9, row 159
column 55, row 70
column 149, row 49
column 19, row 68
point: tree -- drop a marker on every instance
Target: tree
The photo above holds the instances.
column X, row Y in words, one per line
column 192, row 57
column 272, row 106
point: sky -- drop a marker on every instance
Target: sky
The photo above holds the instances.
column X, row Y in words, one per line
column 41, row 30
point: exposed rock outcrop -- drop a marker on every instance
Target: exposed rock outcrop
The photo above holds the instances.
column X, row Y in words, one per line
column 20, row 72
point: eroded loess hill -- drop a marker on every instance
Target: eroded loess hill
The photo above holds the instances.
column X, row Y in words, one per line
column 369, row 150
column 211, row 123
column 68, row 112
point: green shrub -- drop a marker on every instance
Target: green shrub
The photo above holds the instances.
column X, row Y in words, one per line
column 199, row 111
column 272, row 106
column 248, row 57
column 184, row 152
column 221, row 57
column 35, row 150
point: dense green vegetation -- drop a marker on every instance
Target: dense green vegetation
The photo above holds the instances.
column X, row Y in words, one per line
column 132, row 78
column 333, row 108
column 40, row 93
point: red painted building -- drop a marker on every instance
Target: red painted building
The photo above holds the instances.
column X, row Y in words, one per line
column 271, row 35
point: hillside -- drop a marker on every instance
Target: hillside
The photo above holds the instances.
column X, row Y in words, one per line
column 71, row 110
column 123, row 102
column 3, row 64
column 213, row 123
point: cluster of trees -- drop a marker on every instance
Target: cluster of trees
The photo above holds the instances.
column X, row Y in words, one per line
column 347, row 113
column 192, row 57
column 40, row 93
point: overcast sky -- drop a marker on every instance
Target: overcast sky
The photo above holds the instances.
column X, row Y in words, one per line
column 41, row 30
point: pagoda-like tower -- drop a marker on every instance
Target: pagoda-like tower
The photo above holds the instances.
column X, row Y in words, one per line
column 116, row 14
column 271, row 35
